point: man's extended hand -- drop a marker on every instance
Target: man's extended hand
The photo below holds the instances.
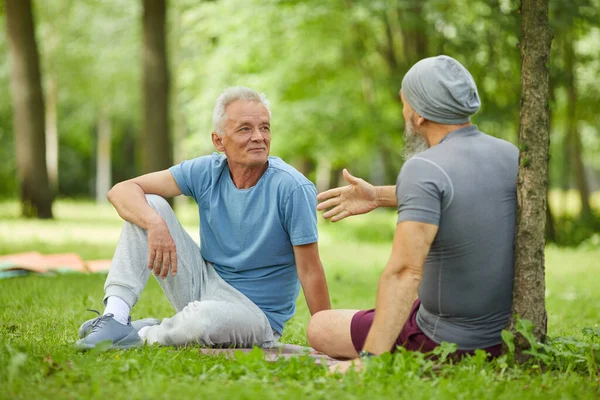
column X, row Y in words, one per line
column 162, row 252
column 359, row 197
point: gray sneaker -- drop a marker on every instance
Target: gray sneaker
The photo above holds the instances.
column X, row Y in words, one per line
column 138, row 324
column 106, row 328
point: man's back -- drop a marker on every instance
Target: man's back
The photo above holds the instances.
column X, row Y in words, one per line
column 466, row 291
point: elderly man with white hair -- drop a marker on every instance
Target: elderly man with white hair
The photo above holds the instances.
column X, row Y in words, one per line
column 258, row 234
column 449, row 276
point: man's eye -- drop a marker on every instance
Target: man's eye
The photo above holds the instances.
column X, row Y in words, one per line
column 245, row 129
column 266, row 128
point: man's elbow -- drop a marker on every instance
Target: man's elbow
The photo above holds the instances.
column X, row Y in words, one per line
column 112, row 193
column 407, row 274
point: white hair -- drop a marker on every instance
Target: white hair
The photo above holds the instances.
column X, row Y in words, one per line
column 229, row 96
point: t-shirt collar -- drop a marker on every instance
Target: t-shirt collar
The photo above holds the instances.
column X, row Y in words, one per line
column 466, row 131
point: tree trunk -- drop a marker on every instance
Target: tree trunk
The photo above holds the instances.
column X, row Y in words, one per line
column 156, row 141
column 323, row 174
column 336, row 178
column 52, row 134
column 304, row 165
column 415, row 38
column 179, row 120
column 529, row 284
column 573, row 137
column 103, row 159
column 550, row 229
column 28, row 111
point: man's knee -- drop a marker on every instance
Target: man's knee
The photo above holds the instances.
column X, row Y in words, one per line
column 205, row 325
column 158, row 203
column 316, row 331
column 330, row 332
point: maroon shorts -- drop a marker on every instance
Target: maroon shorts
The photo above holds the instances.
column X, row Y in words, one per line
column 411, row 337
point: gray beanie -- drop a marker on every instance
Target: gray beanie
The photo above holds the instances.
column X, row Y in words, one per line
column 441, row 90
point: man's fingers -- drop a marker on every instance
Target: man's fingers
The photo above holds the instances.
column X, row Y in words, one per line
column 174, row 263
column 329, row 203
column 158, row 262
column 165, row 265
column 333, row 212
column 151, row 257
column 351, row 179
column 340, row 216
column 329, row 194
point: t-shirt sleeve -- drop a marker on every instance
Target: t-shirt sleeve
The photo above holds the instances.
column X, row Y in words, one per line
column 301, row 215
column 193, row 176
column 423, row 191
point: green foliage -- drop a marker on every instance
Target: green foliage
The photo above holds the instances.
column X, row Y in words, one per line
column 564, row 354
column 90, row 49
column 378, row 227
column 576, row 230
column 332, row 70
column 40, row 315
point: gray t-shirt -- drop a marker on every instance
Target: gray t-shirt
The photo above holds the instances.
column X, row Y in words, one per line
column 466, row 185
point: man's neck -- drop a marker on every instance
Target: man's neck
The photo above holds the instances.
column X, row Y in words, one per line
column 245, row 177
column 437, row 132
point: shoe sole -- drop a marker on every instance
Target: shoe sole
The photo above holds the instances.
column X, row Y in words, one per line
column 115, row 346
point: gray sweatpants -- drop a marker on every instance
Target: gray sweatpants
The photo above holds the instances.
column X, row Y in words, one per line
column 209, row 310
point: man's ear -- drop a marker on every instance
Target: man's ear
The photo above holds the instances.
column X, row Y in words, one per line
column 419, row 120
column 218, row 142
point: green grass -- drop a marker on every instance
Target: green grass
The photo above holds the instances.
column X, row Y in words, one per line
column 39, row 316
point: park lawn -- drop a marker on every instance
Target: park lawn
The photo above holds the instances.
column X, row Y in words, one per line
column 39, row 317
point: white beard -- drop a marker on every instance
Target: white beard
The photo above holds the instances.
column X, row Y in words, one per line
column 414, row 142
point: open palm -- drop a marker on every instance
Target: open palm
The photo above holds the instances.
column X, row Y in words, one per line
column 359, row 197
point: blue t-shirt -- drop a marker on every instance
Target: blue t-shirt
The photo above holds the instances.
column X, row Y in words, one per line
column 248, row 235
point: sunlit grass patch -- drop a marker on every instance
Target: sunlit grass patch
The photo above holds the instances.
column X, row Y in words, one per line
column 40, row 315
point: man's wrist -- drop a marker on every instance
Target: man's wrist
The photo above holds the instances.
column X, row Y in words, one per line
column 378, row 196
column 153, row 220
column 385, row 196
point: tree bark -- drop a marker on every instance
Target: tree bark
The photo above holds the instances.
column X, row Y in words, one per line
column 52, row 134
column 323, row 174
column 28, row 111
column 103, row 159
column 529, row 284
column 156, row 141
column 573, row 136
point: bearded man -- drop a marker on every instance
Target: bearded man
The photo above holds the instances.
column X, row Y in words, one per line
column 450, row 274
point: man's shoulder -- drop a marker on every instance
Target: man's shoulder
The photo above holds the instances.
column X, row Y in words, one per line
column 483, row 142
column 287, row 174
column 214, row 160
column 505, row 145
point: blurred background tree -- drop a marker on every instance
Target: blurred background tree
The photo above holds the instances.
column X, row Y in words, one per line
column 28, row 111
column 331, row 69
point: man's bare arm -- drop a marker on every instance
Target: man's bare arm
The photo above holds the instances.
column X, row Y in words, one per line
column 398, row 284
column 128, row 198
column 312, row 277
column 359, row 197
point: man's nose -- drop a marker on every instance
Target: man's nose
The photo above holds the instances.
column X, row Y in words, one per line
column 257, row 135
